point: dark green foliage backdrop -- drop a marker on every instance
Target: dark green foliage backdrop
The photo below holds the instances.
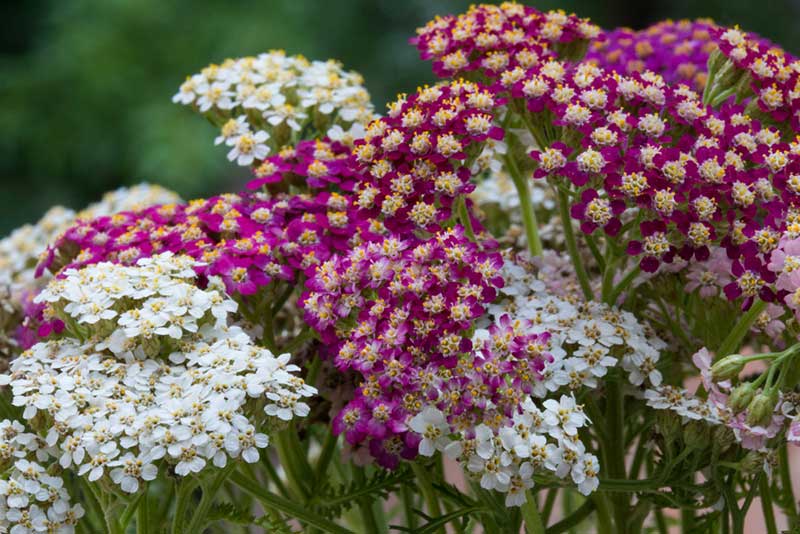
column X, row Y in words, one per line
column 86, row 84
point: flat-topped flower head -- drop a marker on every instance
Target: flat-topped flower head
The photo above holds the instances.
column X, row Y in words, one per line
column 495, row 42
column 20, row 252
column 265, row 102
column 417, row 160
column 148, row 374
column 248, row 240
column 399, row 312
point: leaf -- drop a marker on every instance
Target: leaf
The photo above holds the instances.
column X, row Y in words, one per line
column 276, row 502
column 342, row 498
column 442, row 520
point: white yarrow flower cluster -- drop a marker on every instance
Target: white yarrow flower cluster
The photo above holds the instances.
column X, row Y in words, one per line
column 262, row 103
column 151, row 374
column 505, row 459
column 587, row 339
column 31, row 500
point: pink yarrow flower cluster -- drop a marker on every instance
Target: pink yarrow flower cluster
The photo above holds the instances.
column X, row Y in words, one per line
column 677, row 50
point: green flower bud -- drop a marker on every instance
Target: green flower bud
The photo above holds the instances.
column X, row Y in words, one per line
column 728, row 367
column 696, row 435
column 761, row 408
column 752, row 463
column 741, row 396
column 723, row 438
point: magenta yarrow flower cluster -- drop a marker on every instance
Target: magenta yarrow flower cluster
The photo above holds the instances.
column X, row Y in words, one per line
column 400, row 312
column 495, row 42
column 723, row 179
column 415, row 162
column 248, row 240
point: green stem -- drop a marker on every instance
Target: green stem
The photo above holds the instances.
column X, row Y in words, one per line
column 325, row 456
column 731, row 343
column 463, row 216
column 109, row 516
column 408, row 507
column 603, row 515
column 583, row 511
column 288, row 461
column 210, row 490
column 278, row 503
column 365, row 503
column 143, row 515
column 530, row 513
column 766, row 505
column 184, row 491
column 547, row 509
column 426, row 487
column 624, row 284
column 790, row 507
column 615, row 418
column 526, row 206
column 572, row 246
column 132, row 509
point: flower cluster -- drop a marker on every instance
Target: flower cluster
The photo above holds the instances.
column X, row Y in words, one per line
column 724, row 180
column 20, row 251
column 499, row 42
column 417, row 160
column 400, row 313
column 586, row 338
column 265, row 102
column 505, row 457
column 676, row 50
column 148, row 373
column 754, row 415
column 31, row 498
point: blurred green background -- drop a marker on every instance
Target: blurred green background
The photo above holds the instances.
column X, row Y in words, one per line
column 86, row 84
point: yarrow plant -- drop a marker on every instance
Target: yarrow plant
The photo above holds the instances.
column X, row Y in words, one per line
column 566, row 273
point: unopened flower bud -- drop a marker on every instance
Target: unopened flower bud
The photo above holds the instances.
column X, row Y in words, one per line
column 741, row 396
column 752, row 463
column 728, row 367
column 696, row 435
column 723, row 438
column 761, row 409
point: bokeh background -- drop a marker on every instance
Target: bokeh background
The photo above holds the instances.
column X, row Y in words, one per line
column 86, row 85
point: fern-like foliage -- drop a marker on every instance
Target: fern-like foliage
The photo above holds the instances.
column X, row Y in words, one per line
column 230, row 513
column 333, row 501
